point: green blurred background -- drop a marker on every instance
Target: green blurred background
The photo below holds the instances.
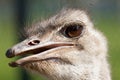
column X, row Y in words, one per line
column 104, row 13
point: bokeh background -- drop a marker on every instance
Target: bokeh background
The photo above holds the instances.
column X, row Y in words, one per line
column 16, row 14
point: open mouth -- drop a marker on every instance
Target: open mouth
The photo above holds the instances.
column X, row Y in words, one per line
column 34, row 55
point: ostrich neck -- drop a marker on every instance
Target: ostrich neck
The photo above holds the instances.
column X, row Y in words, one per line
column 97, row 71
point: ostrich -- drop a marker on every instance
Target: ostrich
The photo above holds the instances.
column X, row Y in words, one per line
column 64, row 47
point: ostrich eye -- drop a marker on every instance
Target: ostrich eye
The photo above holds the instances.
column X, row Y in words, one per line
column 73, row 30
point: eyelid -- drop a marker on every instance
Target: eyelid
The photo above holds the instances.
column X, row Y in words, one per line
column 72, row 23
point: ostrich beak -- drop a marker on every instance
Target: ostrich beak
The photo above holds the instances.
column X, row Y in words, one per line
column 34, row 50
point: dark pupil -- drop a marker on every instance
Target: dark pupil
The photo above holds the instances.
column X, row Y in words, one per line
column 73, row 31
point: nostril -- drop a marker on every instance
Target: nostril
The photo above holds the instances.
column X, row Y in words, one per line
column 34, row 42
column 10, row 53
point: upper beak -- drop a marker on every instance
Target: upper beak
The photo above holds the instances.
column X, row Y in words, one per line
column 35, row 47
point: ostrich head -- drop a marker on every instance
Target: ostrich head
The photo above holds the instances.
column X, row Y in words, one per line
column 64, row 47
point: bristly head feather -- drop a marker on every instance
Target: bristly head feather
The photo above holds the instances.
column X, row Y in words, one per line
column 65, row 16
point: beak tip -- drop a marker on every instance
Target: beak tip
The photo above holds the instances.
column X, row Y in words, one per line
column 9, row 53
column 13, row 64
